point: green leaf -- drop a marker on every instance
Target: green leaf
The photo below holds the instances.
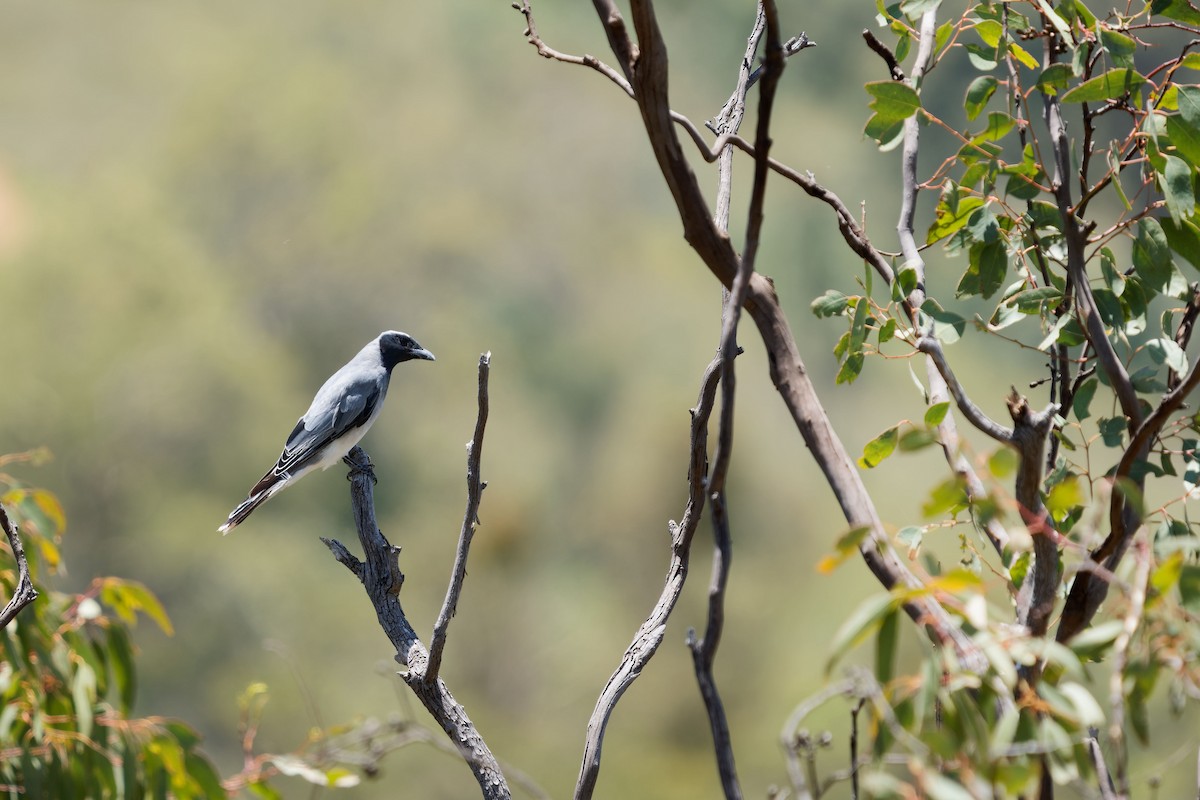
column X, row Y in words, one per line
column 859, row 625
column 949, row 218
column 998, row 126
column 846, row 546
column 978, row 94
column 1152, row 259
column 1064, row 497
column 916, row 439
column 885, row 131
column 1189, row 588
column 121, row 659
column 142, row 599
column 989, row 265
column 887, row 331
column 83, row 695
column 1111, row 85
column 1060, row 25
column 948, row 327
column 1082, row 400
column 886, row 645
column 1111, row 429
column 1119, row 47
column 1184, row 239
column 1030, row 301
column 893, row 100
column 1002, row 463
column 1167, row 574
column 1054, row 78
column 911, row 535
column 879, row 448
column 853, row 364
column 913, row 9
column 949, row 495
column 1181, row 10
column 936, row 413
column 831, row 304
column 1113, row 278
column 1093, row 643
column 1168, row 352
column 1176, row 183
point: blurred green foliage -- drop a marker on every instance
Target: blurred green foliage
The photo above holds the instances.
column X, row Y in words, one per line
column 68, row 679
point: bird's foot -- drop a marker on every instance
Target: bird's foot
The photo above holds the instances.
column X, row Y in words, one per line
column 357, row 468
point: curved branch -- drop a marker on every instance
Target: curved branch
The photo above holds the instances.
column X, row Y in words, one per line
column 649, row 636
column 24, row 593
column 973, row 413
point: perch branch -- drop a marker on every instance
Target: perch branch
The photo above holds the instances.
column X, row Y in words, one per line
column 475, row 487
column 23, row 593
column 379, row 572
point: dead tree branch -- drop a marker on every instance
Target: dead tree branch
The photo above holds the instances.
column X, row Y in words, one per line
column 379, row 572
column 23, row 593
column 475, row 487
column 649, row 636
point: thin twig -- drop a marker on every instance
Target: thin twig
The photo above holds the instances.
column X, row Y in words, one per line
column 24, row 593
column 475, row 487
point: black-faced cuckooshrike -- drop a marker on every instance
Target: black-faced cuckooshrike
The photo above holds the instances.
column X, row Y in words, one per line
column 340, row 414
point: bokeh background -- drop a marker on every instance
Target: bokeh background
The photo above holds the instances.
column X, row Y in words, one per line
column 207, row 208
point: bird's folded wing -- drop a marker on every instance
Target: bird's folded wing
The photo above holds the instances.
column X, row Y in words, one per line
column 319, row 427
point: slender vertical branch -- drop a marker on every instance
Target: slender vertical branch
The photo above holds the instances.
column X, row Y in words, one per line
column 23, row 593
column 475, row 487
column 649, row 635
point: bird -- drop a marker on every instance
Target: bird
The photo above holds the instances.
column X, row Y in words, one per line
column 341, row 412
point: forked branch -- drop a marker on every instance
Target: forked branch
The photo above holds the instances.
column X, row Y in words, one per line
column 379, row 572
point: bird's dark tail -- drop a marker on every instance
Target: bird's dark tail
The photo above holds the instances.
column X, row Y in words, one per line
column 261, row 493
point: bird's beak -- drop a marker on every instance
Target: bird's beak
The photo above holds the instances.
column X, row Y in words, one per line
column 423, row 354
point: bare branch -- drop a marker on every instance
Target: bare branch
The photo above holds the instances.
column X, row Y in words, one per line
column 24, row 593
column 882, row 50
column 729, row 120
column 475, row 487
column 648, row 637
column 704, row 652
column 974, row 414
column 1103, row 777
column 380, row 574
column 545, row 51
column 1035, row 602
column 948, row 438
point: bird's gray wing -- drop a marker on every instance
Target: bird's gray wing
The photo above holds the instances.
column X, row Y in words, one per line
column 328, row 421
